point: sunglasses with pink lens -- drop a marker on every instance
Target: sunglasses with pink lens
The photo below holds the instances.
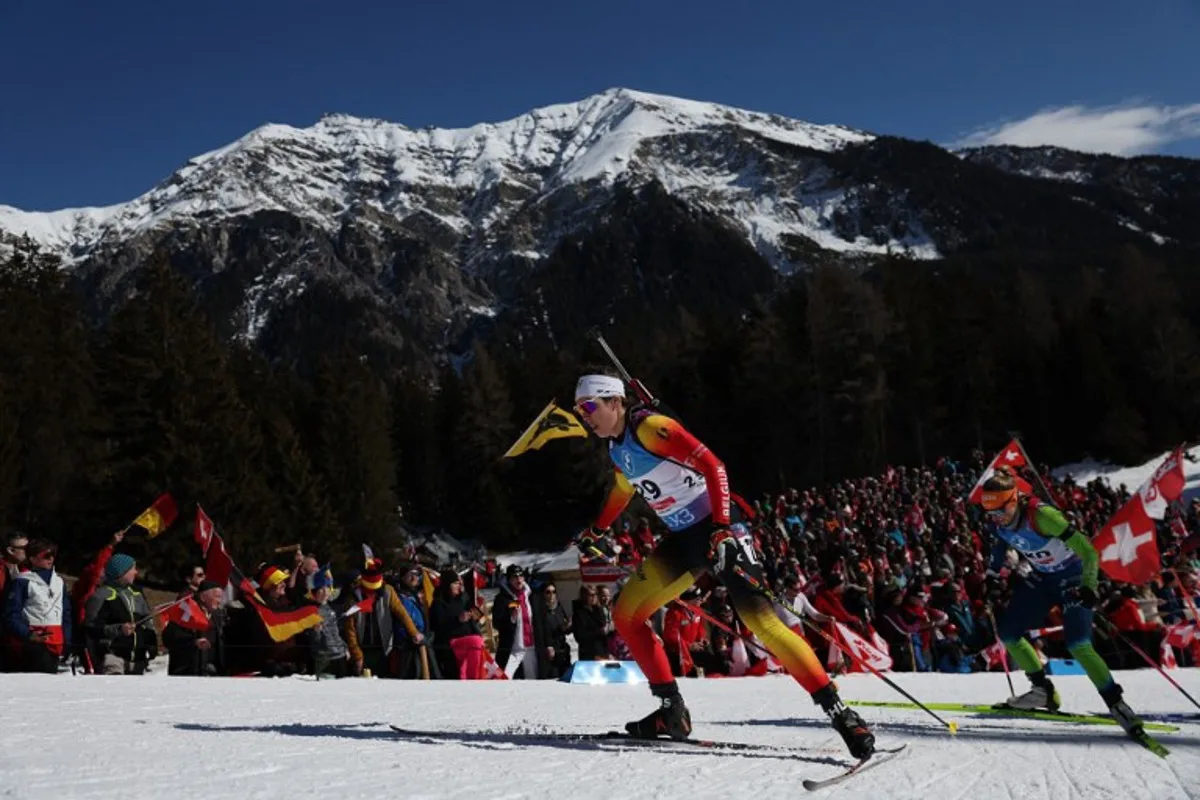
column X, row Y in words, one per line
column 587, row 406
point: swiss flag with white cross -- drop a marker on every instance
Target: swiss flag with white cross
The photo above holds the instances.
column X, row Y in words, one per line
column 1128, row 543
column 1012, row 457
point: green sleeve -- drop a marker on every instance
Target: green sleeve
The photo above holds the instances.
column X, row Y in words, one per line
column 1049, row 521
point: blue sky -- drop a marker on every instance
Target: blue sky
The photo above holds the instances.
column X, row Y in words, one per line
column 104, row 100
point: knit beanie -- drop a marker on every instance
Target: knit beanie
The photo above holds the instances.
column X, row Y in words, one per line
column 372, row 575
column 118, row 565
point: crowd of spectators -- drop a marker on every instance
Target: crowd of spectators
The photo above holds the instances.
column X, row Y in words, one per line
column 904, row 555
column 899, row 557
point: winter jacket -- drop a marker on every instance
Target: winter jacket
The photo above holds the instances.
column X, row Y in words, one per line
column 188, row 659
column 374, row 628
column 681, row 629
column 325, row 641
column 550, row 628
column 38, row 601
column 111, row 606
column 446, row 624
column 588, row 625
column 404, row 629
column 509, row 620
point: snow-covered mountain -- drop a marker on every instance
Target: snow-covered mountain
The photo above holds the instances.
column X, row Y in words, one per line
column 473, row 181
column 412, row 238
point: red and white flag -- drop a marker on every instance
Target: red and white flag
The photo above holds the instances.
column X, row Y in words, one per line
column 1166, row 658
column 490, row 669
column 187, row 614
column 1012, row 457
column 1180, row 635
column 1128, row 543
column 995, row 654
column 874, row 653
column 364, row 606
column 1165, row 485
column 204, row 530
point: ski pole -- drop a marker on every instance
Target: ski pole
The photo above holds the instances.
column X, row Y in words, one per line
column 950, row 726
column 995, row 632
column 1113, row 629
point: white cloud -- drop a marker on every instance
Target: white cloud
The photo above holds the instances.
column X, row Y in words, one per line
column 1120, row 130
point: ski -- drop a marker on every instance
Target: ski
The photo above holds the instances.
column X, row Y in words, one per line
column 1048, row 716
column 877, row 758
column 606, row 736
column 1150, row 743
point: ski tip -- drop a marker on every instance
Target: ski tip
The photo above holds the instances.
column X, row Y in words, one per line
column 878, row 757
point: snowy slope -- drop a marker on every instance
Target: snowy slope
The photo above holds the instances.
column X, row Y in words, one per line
column 473, row 180
column 95, row 737
column 1133, row 477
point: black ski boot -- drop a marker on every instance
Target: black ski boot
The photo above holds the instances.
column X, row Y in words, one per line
column 855, row 733
column 670, row 719
column 1122, row 713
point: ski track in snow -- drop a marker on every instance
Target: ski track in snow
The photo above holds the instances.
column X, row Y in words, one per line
column 101, row 737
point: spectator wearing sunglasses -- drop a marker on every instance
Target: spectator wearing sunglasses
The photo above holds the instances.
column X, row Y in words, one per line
column 588, row 623
column 39, row 611
column 550, row 628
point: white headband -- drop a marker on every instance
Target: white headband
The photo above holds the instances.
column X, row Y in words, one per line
column 590, row 386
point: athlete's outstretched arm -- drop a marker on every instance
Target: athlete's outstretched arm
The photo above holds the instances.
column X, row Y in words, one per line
column 665, row 437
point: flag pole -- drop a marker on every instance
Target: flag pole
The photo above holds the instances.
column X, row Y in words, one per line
column 1037, row 476
column 164, row 607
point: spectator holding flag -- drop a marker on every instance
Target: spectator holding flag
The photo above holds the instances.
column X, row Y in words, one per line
column 194, row 633
column 120, row 620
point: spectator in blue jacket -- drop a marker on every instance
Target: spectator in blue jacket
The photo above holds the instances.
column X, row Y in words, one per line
column 414, row 658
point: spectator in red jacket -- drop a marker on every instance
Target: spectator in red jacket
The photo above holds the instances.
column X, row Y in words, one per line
column 683, row 634
column 90, row 579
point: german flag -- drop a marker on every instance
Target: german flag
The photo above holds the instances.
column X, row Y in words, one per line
column 280, row 625
column 552, row 423
column 159, row 516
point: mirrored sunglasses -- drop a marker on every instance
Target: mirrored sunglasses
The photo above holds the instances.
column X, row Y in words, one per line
column 587, row 407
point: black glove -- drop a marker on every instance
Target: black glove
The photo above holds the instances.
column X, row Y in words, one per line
column 1084, row 596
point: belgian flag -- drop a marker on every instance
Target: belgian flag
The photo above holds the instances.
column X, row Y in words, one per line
column 159, row 516
column 552, row 423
